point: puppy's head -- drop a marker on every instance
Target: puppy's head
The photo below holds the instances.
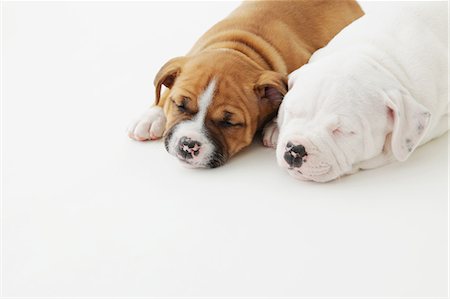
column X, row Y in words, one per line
column 332, row 125
column 215, row 103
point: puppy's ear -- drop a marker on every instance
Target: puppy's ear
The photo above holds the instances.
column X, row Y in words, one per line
column 411, row 121
column 272, row 86
column 167, row 75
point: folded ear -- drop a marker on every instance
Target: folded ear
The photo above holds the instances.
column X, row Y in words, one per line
column 271, row 85
column 411, row 121
column 167, row 75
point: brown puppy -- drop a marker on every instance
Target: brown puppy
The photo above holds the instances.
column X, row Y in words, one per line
column 232, row 81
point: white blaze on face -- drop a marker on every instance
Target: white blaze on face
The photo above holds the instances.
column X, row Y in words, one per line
column 204, row 101
column 195, row 128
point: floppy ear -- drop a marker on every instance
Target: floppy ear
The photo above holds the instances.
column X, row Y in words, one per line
column 271, row 85
column 411, row 121
column 167, row 75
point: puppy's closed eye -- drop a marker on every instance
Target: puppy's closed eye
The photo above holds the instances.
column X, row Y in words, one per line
column 229, row 120
column 228, row 124
column 339, row 131
column 182, row 105
column 339, row 126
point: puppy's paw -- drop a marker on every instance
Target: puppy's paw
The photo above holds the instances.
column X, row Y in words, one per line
column 150, row 126
column 270, row 134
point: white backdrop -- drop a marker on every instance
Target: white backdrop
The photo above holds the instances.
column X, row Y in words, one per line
column 87, row 212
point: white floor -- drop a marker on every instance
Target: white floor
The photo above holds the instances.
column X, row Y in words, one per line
column 87, row 212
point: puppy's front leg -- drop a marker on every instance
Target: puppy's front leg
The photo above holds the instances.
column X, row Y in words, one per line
column 270, row 134
column 151, row 125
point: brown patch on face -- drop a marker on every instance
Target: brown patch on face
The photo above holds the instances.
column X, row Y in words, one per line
column 233, row 115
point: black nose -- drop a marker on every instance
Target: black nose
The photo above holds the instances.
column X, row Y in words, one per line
column 188, row 148
column 294, row 154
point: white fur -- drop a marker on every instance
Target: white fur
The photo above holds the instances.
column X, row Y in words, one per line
column 149, row 126
column 339, row 106
column 195, row 129
column 270, row 134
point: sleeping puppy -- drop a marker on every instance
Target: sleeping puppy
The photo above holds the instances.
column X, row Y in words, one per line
column 371, row 96
column 232, row 81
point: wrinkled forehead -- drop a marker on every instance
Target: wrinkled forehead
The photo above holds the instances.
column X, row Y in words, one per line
column 192, row 84
column 215, row 94
column 335, row 83
column 307, row 97
column 334, row 103
column 232, row 92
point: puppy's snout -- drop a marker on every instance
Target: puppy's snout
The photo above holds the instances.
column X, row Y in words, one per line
column 294, row 154
column 188, row 148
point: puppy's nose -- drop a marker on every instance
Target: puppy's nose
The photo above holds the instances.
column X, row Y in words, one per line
column 294, row 154
column 188, row 148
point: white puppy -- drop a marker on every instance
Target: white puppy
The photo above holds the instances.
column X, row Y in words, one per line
column 371, row 96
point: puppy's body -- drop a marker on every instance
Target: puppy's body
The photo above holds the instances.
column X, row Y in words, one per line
column 233, row 79
column 279, row 35
column 372, row 95
column 411, row 45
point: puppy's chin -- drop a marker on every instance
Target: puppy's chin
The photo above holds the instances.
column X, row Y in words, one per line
column 213, row 162
column 323, row 178
column 189, row 165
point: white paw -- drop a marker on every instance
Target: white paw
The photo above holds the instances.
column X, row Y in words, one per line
column 270, row 134
column 149, row 126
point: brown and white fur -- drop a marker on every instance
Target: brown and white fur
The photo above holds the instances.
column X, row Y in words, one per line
column 232, row 81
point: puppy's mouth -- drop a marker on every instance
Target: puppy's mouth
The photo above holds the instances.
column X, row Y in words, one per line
column 213, row 163
column 313, row 169
column 315, row 177
column 216, row 160
column 189, row 164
